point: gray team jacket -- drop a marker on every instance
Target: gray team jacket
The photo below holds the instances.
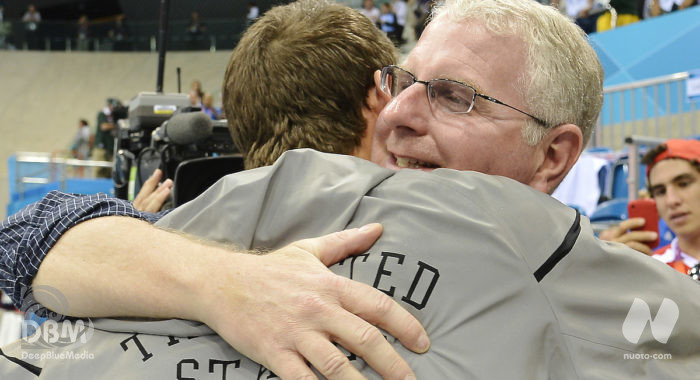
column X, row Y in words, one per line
column 508, row 282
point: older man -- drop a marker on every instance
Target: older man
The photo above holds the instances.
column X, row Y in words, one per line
column 483, row 90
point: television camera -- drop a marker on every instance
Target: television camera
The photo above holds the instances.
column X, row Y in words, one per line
column 163, row 131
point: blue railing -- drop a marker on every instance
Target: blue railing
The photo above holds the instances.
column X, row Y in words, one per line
column 32, row 175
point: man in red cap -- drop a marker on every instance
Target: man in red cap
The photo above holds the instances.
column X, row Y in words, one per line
column 673, row 178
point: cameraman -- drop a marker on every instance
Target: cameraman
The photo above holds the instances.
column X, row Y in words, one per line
column 104, row 136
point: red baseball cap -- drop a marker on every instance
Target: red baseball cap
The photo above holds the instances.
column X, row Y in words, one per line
column 678, row 148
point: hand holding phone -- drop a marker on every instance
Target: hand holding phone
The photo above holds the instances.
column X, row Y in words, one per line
column 645, row 208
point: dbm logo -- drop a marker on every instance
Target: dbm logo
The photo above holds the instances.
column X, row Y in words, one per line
column 56, row 334
column 640, row 314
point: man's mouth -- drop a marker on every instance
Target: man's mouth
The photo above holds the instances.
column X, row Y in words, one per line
column 678, row 218
column 412, row 163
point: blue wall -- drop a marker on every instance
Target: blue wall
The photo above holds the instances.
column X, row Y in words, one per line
column 652, row 48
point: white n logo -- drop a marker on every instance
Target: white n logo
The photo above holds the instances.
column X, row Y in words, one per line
column 639, row 315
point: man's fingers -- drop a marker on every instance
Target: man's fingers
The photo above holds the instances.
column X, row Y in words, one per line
column 147, row 187
column 367, row 341
column 379, row 309
column 152, row 181
column 641, row 247
column 291, row 366
column 631, row 224
column 640, row 236
column 328, row 359
column 157, row 198
column 625, row 232
column 334, row 247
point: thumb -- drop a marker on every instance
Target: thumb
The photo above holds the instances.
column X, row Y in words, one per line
column 334, row 247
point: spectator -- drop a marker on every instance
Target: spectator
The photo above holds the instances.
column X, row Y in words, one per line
column 82, row 141
column 659, row 7
column 196, row 93
column 583, row 13
column 31, row 17
column 105, row 131
column 82, row 144
column 388, row 24
column 422, row 12
column 195, row 27
column 208, row 106
column 83, row 36
column 118, row 35
column 3, row 33
column 673, row 180
column 627, row 13
column 31, row 20
column 368, row 9
column 253, row 13
column 400, row 9
column 195, row 33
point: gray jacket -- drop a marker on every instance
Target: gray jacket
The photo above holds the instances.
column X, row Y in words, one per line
column 508, row 282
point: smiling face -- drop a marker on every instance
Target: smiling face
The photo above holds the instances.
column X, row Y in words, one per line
column 675, row 186
column 409, row 133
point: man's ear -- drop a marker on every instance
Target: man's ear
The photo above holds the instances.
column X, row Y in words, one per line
column 376, row 101
column 376, row 98
column 561, row 148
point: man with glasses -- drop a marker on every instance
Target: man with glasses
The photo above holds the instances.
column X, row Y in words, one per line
column 508, row 282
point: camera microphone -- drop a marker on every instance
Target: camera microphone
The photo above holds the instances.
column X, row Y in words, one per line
column 184, row 129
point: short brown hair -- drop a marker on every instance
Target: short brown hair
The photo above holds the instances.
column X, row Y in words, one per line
column 299, row 78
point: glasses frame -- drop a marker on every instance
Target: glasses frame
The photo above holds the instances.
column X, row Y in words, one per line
column 429, row 83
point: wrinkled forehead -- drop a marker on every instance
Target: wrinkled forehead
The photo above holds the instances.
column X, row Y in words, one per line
column 468, row 51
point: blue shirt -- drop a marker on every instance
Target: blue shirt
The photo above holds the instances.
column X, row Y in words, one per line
column 27, row 236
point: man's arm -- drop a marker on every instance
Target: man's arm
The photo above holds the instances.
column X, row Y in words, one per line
column 279, row 308
column 27, row 236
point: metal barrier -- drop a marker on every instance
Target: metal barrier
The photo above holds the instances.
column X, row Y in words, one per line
column 52, row 35
column 40, row 168
column 654, row 107
column 33, row 174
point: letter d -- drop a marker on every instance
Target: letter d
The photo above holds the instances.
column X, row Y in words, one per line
column 30, row 333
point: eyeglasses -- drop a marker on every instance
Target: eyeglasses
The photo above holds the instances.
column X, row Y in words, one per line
column 444, row 94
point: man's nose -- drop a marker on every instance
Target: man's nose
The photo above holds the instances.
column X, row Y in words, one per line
column 410, row 110
column 673, row 197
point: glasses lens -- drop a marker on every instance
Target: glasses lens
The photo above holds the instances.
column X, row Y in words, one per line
column 395, row 80
column 451, row 96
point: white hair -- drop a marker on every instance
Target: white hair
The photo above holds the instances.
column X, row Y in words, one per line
column 563, row 80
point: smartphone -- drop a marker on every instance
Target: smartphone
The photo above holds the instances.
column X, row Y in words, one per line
column 645, row 208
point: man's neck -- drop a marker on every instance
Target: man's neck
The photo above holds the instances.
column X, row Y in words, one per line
column 690, row 245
